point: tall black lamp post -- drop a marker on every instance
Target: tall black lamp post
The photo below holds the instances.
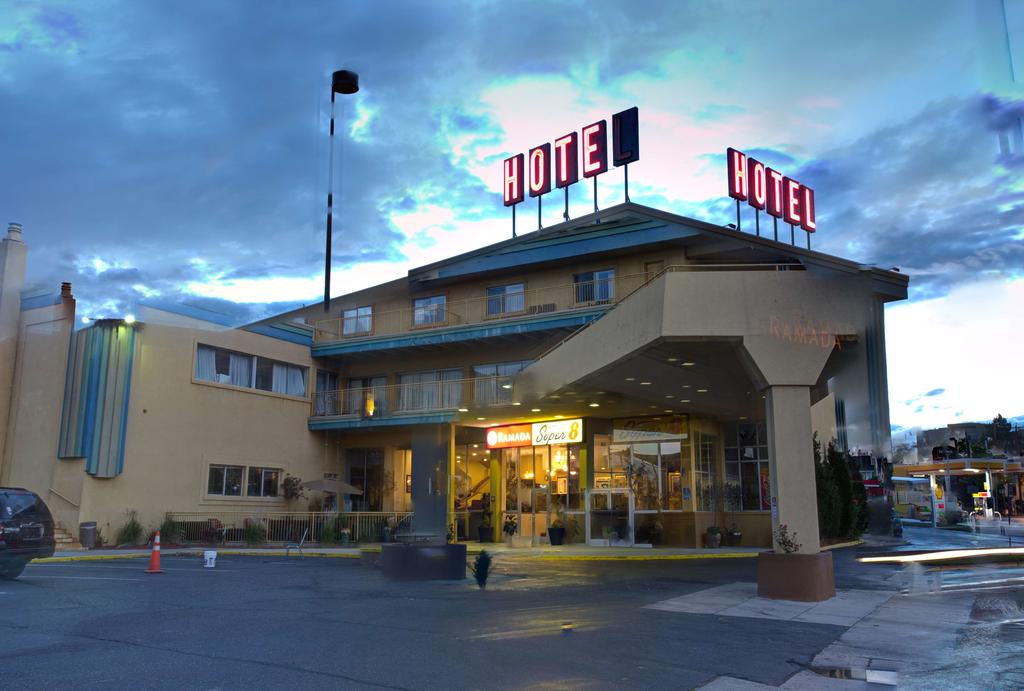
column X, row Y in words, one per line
column 342, row 82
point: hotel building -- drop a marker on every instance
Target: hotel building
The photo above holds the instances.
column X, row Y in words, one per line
column 634, row 375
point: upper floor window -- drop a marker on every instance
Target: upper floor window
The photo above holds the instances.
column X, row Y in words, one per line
column 595, row 286
column 430, row 310
column 249, row 371
column 358, row 320
column 506, row 299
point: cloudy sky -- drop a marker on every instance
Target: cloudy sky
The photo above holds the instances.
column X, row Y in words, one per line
column 177, row 152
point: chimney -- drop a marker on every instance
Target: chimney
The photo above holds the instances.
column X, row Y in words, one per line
column 14, row 232
column 65, row 290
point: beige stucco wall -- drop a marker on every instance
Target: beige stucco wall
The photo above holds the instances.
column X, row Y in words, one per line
column 178, row 426
column 34, row 423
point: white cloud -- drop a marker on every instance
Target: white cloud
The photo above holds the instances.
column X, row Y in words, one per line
column 969, row 342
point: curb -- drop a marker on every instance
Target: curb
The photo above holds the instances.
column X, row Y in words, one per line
column 600, row 557
column 841, row 545
column 87, row 557
column 234, row 553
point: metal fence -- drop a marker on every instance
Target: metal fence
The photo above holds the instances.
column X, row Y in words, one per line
column 217, row 527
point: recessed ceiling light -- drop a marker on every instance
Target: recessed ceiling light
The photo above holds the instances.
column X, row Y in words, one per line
column 673, row 359
column 570, row 393
column 599, row 393
column 630, row 378
column 668, row 395
column 652, row 406
column 463, row 410
column 481, row 418
column 555, row 397
column 743, row 417
column 645, row 383
column 667, row 411
column 506, row 386
column 534, row 410
column 516, row 403
column 687, row 386
column 559, row 417
column 684, row 400
column 595, row 405
column 476, row 446
column 702, row 390
column 688, row 364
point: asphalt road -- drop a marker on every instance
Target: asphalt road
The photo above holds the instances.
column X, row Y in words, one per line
column 330, row 623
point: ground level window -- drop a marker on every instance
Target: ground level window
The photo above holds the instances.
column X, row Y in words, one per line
column 263, row 482
column 747, row 484
column 225, row 480
column 704, row 472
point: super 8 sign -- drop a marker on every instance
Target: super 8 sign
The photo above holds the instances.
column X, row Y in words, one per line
column 769, row 190
column 532, row 172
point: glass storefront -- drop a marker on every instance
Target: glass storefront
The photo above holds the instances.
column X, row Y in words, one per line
column 541, row 484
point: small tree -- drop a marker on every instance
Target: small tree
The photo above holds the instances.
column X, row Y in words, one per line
column 291, row 488
column 828, row 497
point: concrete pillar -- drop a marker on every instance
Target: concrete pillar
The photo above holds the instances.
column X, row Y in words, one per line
column 794, row 497
column 433, row 453
column 13, row 259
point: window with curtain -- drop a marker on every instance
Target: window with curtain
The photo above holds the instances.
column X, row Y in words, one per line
column 507, row 299
column 327, row 397
column 490, row 380
column 431, row 310
column 366, row 396
column 430, row 390
column 249, row 371
column 594, row 286
column 358, row 320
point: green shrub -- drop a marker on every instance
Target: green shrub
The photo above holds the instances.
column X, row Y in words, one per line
column 255, row 533
column 130, row 533
column 481, row 568
column 329, row 534
column 168, row 531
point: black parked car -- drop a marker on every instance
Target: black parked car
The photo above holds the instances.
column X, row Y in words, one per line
column 26, row 530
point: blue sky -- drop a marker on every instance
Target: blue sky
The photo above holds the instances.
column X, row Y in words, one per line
column 178, row 152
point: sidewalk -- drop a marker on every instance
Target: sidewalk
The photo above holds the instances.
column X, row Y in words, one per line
column 566, row 553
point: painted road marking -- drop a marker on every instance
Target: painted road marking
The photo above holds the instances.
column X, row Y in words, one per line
column 87, row 578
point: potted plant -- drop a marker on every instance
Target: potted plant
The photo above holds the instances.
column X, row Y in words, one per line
column 734, row 537
column 556, row 531
column 485, row 530
column 510, row 527
column 713, row 537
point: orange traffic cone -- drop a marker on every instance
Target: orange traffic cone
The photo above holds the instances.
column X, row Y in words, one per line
column 154, row 555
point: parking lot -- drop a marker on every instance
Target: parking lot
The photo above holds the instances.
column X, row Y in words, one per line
column 255, row 622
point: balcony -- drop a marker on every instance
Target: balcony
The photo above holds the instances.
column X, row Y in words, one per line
column 531, row 305
column 432, row 401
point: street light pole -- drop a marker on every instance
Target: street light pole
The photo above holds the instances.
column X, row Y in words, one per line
column 342, row 82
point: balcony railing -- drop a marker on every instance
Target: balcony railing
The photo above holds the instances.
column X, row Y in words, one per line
column 554, row 299
column 432, row 396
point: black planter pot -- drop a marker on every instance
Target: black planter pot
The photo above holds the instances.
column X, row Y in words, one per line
column 484, row 533
column 556, row 536
column 733, row 539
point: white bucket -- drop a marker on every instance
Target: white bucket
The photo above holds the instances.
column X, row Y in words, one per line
column 209, row 559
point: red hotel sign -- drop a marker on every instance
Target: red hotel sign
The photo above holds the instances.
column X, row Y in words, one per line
column 769, row 190
column 533, row 171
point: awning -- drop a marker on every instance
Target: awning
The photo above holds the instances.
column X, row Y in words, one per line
column 332, row 486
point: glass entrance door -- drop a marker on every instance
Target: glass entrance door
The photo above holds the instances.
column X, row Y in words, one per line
column 610, row 513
